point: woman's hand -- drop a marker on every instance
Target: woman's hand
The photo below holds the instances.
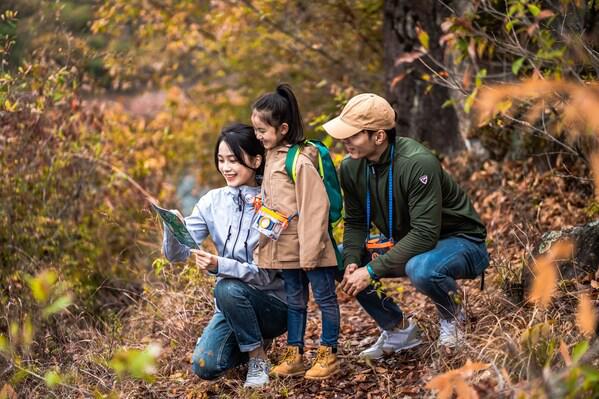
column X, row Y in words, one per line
column 205, row 260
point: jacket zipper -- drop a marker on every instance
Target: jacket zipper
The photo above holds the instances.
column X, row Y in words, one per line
column 240, row 222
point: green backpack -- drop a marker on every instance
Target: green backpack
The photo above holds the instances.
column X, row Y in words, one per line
column 327, row 172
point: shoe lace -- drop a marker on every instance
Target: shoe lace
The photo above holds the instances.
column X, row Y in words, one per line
column 448, row 329
column 321, row 356
column 255, row 367
column 289, row 355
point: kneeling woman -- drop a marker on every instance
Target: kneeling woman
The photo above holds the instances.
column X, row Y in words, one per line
column 250, row 305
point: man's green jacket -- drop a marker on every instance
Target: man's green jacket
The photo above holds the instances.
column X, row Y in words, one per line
column 428, row 205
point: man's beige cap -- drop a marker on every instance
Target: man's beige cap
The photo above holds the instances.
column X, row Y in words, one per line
column 365, row 111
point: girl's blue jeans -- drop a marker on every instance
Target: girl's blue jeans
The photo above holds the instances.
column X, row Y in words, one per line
column 322, row 280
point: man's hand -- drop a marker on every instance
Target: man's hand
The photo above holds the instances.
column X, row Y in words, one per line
column 355, row 279
column 205, row 260
column 349, row 269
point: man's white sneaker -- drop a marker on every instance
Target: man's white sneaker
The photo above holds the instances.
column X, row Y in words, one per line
column 451, row 333
column 394, row 341
column 376, row 350
column 257, row 375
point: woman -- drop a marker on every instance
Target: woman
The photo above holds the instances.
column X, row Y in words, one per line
column 250, row 302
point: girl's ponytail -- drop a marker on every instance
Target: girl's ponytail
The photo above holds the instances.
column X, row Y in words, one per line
column 281, row 107
column 296, row 125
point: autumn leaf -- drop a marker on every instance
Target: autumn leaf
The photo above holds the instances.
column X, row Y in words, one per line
column 544, row 284
column 397, row 79
column 452, row 380
column 561, row 250
column 595, row 169
column 423, row 37
column 563, row 350
column 7, row 392
column 408, row 58
column 586, row 317
column 544, row 14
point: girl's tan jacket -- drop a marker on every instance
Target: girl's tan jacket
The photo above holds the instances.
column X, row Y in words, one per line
column 305, row 243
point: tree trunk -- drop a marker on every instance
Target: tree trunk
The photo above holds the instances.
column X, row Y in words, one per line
column 420, row 113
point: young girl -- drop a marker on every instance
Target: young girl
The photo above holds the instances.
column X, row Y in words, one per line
column 250, row 301
column 303, row 250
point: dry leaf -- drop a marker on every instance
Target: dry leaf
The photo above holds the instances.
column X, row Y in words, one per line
column 464, row 391
column 563, row 350
column 561, row 250
column 467, row 79
column 544, row 283
column 452, row 380
column 408, row 58
column 8, row 392
column 545, row 14
column 397, row 79
column 585, row 316
column 579, row 102
column 595, row 169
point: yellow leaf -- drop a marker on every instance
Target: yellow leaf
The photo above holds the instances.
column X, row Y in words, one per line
column 423, row 37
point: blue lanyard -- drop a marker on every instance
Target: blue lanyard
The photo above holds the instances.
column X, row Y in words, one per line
column 390, row 236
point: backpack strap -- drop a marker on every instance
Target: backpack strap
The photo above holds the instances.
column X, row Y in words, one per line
column 291, row 161
column 293, row 155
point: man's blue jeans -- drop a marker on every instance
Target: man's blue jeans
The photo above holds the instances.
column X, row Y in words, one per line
column 322, row 280
column 247, row 316
column 433, row 273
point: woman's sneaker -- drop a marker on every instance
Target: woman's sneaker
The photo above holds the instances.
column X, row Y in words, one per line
column 291, row 365
column 257, row 375
column 392, row 341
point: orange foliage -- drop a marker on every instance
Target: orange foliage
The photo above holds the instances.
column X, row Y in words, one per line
column 578, row 104
column 545, row 271
column 586, row 318
column 455, row 380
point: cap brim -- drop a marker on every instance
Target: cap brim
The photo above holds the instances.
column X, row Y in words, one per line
column 340, row 130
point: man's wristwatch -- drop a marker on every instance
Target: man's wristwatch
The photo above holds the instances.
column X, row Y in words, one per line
column 371, row 272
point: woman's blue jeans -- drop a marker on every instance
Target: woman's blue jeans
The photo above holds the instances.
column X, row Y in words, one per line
column 433, row 273
column 247, row 316
column 322, row 280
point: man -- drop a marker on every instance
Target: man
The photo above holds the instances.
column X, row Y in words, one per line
column 437, row 237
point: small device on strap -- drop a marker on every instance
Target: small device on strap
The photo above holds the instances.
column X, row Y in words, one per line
column 270, row 222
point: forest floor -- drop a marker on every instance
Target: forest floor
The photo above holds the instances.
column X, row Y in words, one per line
column 516, row 201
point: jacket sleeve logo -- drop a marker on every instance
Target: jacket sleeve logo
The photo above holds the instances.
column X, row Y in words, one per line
column 423, row 179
